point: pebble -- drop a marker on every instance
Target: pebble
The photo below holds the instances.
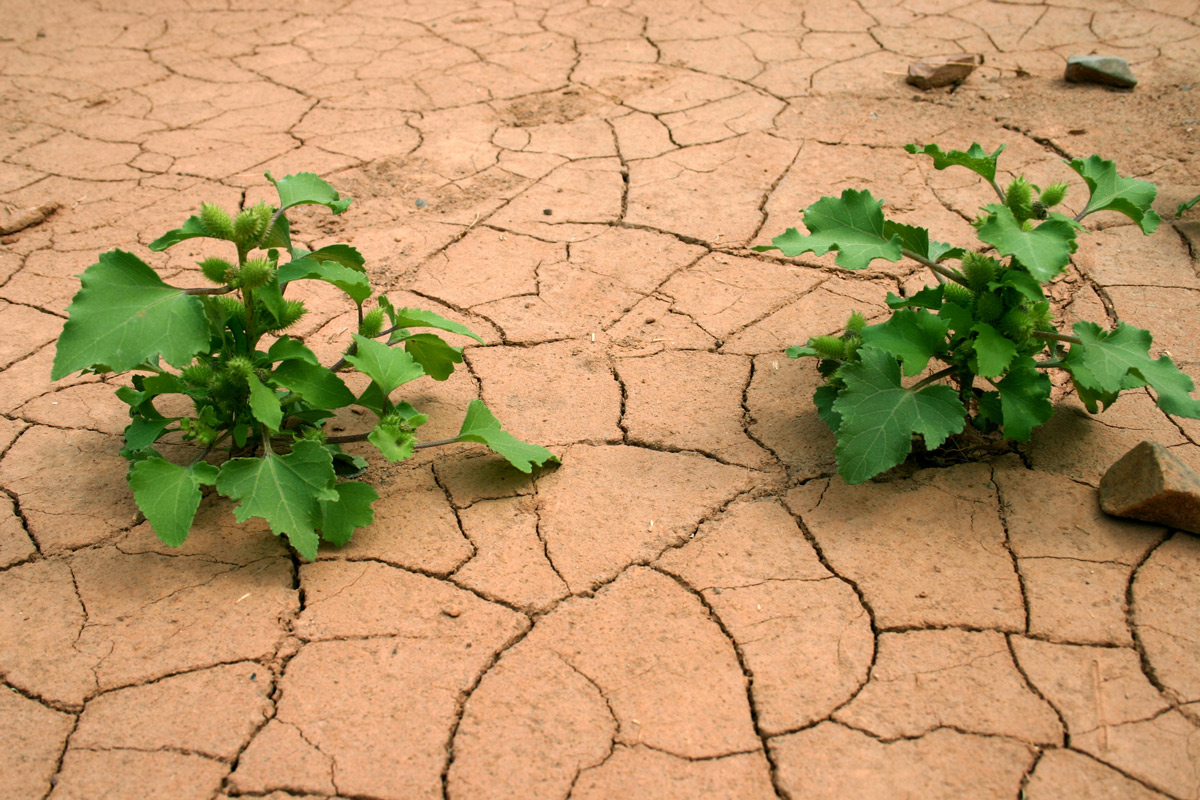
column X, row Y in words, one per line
column 547, row 211
column 1150, row 483
column 936, row 71
column 421, row 203
column 1109, row 70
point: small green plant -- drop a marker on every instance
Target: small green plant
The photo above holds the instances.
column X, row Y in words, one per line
column 259, row 396
column 987, row 320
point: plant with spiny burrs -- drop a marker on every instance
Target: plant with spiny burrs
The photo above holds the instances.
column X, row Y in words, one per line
column 987, row 321
column 257, row 394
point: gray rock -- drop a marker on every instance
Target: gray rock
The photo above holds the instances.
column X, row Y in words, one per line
column 1151, row 484
column 1109, row 70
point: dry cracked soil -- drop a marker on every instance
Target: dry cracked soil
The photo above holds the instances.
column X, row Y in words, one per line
column 692, row 605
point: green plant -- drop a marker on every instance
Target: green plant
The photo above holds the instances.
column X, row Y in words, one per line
column 256, row 392
column 988, row 319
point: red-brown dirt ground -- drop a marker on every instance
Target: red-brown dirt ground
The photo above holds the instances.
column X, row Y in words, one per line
column 692, row 605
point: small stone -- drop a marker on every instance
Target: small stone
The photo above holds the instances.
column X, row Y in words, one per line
column 936, row 71
column 1151, row 484
column 421, row 203
column 547, row 211
column 1108, row 70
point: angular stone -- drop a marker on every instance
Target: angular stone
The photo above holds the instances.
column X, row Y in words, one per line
column 31, row 740
column 830, row 760
column 1149, row 483
column 690, row 400
column 1067, row 775
column 510, row 561
column 966, row 680
column 933, row 72
column 161, row 775
column 597, row 520
column 162, row 715
column 911, row 546
column 1166, row 615
column 642, row 772
column 1109, row 70
column 367, row 599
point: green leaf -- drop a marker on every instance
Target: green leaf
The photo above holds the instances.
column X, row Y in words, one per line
column 1023, row 282
column 913, row 336
column 975, row 158
column 284, row 490
column 1111, row 192
column 419, row 318
column 141, row 432
column 343, row 254
column 993, row 352
column 387, row 366
column 124, row 315
column 191, row 229
column 853, row 225
column 1044, row 251
column 316, row 384
column 823, row 399
column 1024, row 399
column 286, row 348
column 395, row 443
column 433, row 354
column 800, row 351
column 480, row 426
column 264, row 403
column 958, row 318
column 339, row 518
column 169, row 495
column 880, row 416
column 351, row 281
column 305, row 188
column 1185, row 206
column 929, row 297
column 917, row 240
column 280, row 236
column 1105, row 361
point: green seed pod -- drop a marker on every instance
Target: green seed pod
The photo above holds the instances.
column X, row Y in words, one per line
column 1054, row 194
column 217, row 270
column 979, row 269
column 372, row 324
column 215, row 221
column 1043, row 320
column 262, row 214
column 239, row 367
column 1019, row 198
column 1027, row 225
column 293, row 310
column 850, row 344
column 958, row 294
column 232, row 306
column 828, row 346
column 245, row 229
column 197, row 374
column 988, row 306
column 1016, row 324
column 1040, row 210
column 255, row 273
column 856, row 323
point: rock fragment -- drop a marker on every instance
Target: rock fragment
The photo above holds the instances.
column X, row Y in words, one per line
column 934, row 72
column 1150, row 483
column 1108, row 70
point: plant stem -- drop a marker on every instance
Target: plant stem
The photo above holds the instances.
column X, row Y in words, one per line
column 941, row 373
column 999, row 191
column 937, row 268
column 206, row 290
column 349, row 438
column 1056, row 337
column 1049, row 364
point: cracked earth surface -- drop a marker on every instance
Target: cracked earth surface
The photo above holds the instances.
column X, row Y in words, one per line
column 690, row 606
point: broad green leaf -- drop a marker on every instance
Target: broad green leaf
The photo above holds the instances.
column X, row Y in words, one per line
column 480, row 426
column 387, row 366
column 823, row 399
column 339, row 518
column 305, row 188
column 1044, row 251
column 879, row 416
column 993, row 352
column 271, row 296
column 853, row 225
column 1104, row 362
column 419, row 318
column 958, row 318
column 1024, row 399
column 917, row 240
column 800, row 351
column 169, row 495
column 351, row 281
column 280, row 236
column 264, row 403
column 316, row 384
column 1111, row 192
column 929, row 297
column 124, row 315
column 284, row 490
column 286, row 348
column 913, row 336
column 1023, row 282
column 191, row 229
column 395, row 443
column 343, row 254
column 433, row 354
column 975, row 158
column 141, row 432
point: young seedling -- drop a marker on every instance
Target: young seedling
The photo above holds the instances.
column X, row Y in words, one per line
column 259, row 396
column 986, row 321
